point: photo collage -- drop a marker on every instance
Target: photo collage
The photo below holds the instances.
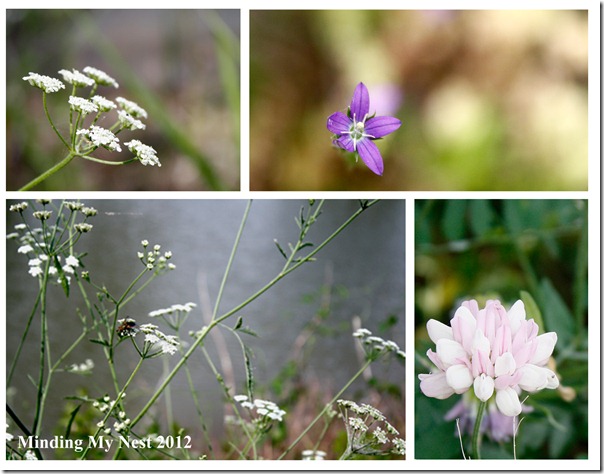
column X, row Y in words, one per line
column 394, row 230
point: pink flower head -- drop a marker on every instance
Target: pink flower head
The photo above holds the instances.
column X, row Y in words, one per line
column 492, row 351
column 356, row 130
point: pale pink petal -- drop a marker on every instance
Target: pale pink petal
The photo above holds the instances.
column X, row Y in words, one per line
column 464, row 327
column 438, row 330
column 435, row 385
column 508, row 402
column 481, row 364
column 450, row 352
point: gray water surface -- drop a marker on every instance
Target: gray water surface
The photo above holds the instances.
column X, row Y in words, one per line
column 363, row 267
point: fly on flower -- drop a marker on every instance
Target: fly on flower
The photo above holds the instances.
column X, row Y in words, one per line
column 127, row 327
column 356, row 130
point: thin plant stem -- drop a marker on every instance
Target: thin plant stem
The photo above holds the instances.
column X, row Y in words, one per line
column 52, row 123
column 204, row 331
column 48, row 173
column 231, row 258
column 118, row 399
column 43, row 327
column 105, row 162
column 326, row 407
column 476, row 434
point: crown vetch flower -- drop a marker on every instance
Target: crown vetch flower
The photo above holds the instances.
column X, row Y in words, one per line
column 356, row 130
column 491, row 350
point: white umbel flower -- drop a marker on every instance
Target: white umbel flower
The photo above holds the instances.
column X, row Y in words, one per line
column 101, row 137
column 100, row 77
column 46, row 83
column 76, row 78
column 146, row 154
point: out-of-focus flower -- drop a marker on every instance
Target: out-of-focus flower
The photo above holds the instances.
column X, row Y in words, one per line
column 491, row 350
column 356, row 130
column 46, row 83
column 495, row 424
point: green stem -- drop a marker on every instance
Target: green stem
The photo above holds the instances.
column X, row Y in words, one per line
column 231, row 258
column 48, row 173
column 214, row 322
column 476, row 434
column 326, row 407
column 52, row 123
column 105, row 162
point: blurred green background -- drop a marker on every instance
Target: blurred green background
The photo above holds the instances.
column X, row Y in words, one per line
column 182, row 66
column 480, row 249
column 489, row 100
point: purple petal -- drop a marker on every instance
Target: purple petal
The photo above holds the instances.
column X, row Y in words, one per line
column 381, row 126
column 338, row 123
column 359, row 106
column 371, row 156
column 345, row 142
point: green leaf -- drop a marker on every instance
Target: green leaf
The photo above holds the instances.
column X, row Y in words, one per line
column 99, row 341
column 482, row 217
column 454, row 219
column 556, row 315
column 532, row 310
column 239, row 323
column 62, row 277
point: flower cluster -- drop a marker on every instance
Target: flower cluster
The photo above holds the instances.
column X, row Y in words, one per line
column 85, row 368
column 376, row 346
column 94, row 136
column 368, row 431
column 175, row 315
column 166, row 344
column 105, row 405
column 266, row 410
column 153, row 259
column 492, row 351
column 356, row 130
column 43, row 252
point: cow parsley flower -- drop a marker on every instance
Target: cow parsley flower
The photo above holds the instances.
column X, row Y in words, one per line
column 84, row 106
column 356, row 130
column 368, row 431
column 154, row 337
column 99, row 136
column 104, row 105
column 46, row 83
column 132, row 107
column 100, row 77
column 129, row 122
column 491, row 351
column 76, row 78
column 146, row 154
column 266, row 409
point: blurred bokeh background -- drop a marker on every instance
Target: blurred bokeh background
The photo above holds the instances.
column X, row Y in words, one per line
column 481, row 249
column 182, row 66
column 489, row 100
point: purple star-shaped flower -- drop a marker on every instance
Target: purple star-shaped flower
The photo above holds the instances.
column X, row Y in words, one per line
column 355, row 130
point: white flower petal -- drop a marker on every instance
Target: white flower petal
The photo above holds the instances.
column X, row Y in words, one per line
column 508, row 402
column 450, row 352
column 438, row 330
column 545, row 347
column 505, row 364
column 516, row 315
column 459, row 378
column 533, row 377
column 484, row 386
